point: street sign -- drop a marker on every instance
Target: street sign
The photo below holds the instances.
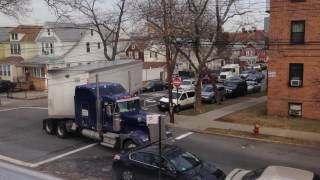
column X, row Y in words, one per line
column 177, row 82
column 152, row 119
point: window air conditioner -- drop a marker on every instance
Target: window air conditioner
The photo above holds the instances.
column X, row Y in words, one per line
column 295, row 112
column 295, row 83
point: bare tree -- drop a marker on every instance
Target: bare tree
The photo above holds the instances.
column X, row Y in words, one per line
column 14, row 8
column 107, row 24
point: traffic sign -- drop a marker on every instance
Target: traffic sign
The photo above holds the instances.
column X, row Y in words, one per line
column 177, row 81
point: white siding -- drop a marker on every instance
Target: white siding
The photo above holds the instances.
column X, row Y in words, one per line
column 151, row 74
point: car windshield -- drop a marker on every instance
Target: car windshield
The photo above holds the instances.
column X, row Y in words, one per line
column 207, row 89
column 245, row 72
column 183, row 161
column 175, row 95
column 128, row 106
column 229, row 83
column 186, row 83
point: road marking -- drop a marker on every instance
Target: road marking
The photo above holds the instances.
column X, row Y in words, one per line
column 183, row 136
column 149, row 100
column 64, row 155
column 11, row 109
column 34, row 165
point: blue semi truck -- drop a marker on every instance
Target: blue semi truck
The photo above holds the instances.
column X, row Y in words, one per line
column 107, row 114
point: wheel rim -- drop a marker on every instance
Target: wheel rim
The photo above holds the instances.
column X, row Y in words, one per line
column 127, row 175
column 48, row 128
column 60, row 131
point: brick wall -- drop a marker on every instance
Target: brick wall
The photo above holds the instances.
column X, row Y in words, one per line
column 282, row 53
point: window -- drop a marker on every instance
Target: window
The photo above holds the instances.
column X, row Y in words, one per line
column 190, row 94
column 88, row 47
column 8, row 70
column 47, row 48
column 14, row 36
column 295, row 109
column 133, row 47
column 49, row 32
column 295, row 75
column 136, row 55
column 91, row 32
column 5, row 70
column 38, row 72
column 0, row 70
column 130, row 54
column 183, row 97
column 145, row 158
column 297, row 32
column 15, row 49
column 298, row 0
column 99, row 45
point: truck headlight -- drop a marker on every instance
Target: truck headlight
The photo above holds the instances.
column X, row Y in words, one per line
column 145, row 139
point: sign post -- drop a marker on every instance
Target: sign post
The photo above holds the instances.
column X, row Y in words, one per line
column 177, row 84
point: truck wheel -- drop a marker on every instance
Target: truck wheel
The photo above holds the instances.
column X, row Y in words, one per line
column 49, row 126
column 62, row 130
column 129, row 144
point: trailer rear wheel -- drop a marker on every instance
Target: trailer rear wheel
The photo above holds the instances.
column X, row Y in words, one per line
column 62, row 130
column 49, row 126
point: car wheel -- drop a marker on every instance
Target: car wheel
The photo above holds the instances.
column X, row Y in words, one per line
column 62, row 130
column 129, row 144
column 127, row 175
column 49, row 127
column 177, row 109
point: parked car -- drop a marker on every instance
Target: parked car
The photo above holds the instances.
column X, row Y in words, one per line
column 235, row 87
column 6, row 85
column 272, row 172
column 244, row 74
column 176, row 164
column 253, row 87
column 208, row 94
column 181, row 100
column 187, row 84
column 154, row 85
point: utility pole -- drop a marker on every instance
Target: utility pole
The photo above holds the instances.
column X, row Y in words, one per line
column 98, row 106
column 168, row 58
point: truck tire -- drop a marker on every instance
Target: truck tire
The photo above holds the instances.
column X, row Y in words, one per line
column 177, row 108
column 62, row 130
column 49, row 126
column 129, row 144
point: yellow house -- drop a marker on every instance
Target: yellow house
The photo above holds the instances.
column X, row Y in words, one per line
column 4, row 36
column 19, row 45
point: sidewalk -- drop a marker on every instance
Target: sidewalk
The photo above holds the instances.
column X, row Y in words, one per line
column 207, row 120
column 27, row 95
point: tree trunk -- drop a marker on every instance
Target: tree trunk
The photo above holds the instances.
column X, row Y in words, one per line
column 198, row 104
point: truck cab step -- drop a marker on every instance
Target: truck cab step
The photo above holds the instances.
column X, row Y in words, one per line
column 110, row 140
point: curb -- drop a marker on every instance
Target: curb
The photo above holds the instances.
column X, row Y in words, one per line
column 248, row 138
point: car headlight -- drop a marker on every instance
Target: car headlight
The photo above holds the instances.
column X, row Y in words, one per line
column 145, row 139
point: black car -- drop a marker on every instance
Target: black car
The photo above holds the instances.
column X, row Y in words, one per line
column 5, row 86
column 257, row 77
column 154, row 85
column 235, row 87
column 208, row 94
column 143, row 164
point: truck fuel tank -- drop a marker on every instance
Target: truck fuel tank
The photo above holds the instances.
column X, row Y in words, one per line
column 91, row 134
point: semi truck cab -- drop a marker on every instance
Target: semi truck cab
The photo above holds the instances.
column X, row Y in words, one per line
column 120, row 123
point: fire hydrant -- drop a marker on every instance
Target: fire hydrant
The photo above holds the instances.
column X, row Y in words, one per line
column 256, row 129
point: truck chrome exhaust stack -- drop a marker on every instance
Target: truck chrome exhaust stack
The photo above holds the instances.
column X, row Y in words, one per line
column 91, row 134
column 116, row 122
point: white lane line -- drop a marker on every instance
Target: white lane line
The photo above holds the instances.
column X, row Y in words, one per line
column 64, row 155
column 11, row 109
column 33, row 165
column 183, row 136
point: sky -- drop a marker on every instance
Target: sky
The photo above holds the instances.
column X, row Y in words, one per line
column 41, row 13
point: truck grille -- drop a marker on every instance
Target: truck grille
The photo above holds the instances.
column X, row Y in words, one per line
column 223, row 77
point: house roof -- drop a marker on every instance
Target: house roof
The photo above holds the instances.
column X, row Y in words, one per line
column 4, row 34
column 245, row 37
column 12, row 60
column 31, row 32
column 151, row 65
column 68, row 32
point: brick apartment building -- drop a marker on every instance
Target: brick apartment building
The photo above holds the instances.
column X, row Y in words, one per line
column 294, row 58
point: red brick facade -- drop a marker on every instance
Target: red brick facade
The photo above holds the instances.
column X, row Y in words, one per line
column 282, row 53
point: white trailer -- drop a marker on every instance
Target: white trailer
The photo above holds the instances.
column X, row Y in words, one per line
column 62, row 82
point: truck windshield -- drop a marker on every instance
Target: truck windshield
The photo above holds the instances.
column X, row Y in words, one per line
column 128, row 106
column 227, row 70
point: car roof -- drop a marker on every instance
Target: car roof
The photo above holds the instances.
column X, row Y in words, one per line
column 281, row 172
column 154, row 149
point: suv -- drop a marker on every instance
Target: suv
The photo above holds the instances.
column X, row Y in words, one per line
column 154, row 85
column 235, row 87
column 175, row 163
column 180, row 99
column 187, row 84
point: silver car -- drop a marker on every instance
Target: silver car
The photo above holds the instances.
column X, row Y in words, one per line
column 272, row 173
